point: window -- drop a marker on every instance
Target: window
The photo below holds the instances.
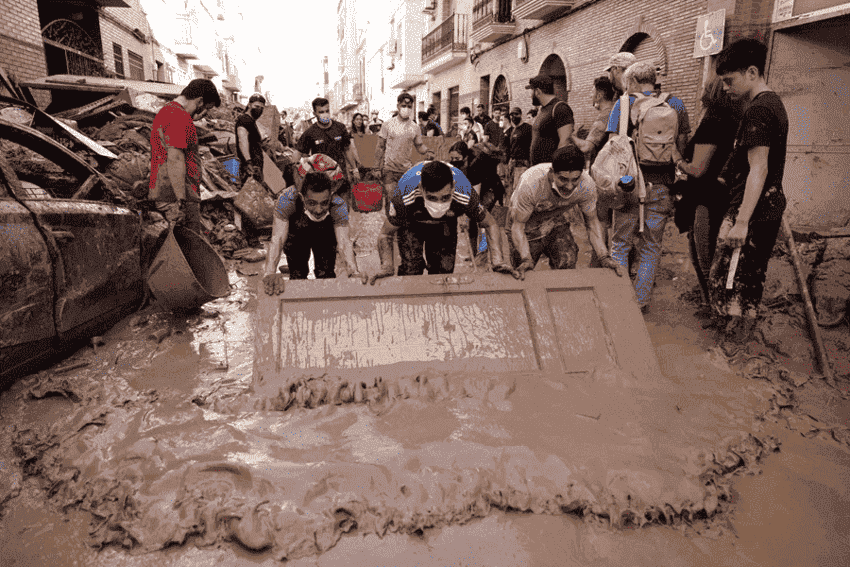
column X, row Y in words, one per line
column 137, row 66
column 119, row 60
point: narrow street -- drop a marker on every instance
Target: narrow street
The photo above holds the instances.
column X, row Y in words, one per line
column 86, row 443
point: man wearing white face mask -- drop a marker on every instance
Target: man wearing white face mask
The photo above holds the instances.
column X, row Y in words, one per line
column 331, row 138
column 396, row 140
column 309, row 217
column 537, row 219
column 423, row 211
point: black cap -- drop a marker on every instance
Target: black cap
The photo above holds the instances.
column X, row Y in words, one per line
column 541, row 81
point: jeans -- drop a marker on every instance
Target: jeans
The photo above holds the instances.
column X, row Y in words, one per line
column 626, row 226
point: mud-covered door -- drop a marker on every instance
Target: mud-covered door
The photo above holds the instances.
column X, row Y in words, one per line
column 99, row 245
column 554, row 322
column 26, row 282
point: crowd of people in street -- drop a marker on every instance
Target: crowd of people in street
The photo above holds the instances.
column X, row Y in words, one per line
column 515, row 183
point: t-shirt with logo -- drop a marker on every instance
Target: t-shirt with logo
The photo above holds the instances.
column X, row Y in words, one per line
column 332, row 141
column 400, row 136
column 287, row 205
column 173, row 127
column 535, row 203
column 407, row 204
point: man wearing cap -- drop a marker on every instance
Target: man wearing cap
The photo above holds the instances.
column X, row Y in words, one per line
column 423, row 211
column 553, row 127
column 398, row 136
column 375, row 123
column 537, row 218
column 249, row 146
column 617, row 65
column 517, row 149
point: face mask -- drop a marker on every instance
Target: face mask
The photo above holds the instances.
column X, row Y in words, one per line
column 437, row 210
column 458, row 164
column 404, row 112
column 316, row 219
column 256, row 113
column 516, row 120
column 324, row 118
column 535, row 101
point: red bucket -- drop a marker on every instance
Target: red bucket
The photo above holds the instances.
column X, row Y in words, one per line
column 367, row 197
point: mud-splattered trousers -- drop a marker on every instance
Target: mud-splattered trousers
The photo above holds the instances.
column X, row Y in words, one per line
column 439, row 241
column 626, row 228
column 748, row 286
column 558, row 245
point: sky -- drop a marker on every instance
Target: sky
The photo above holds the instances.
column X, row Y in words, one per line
column 292, row 37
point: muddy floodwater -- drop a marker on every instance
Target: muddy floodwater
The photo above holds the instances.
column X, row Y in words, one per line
column 148, row 448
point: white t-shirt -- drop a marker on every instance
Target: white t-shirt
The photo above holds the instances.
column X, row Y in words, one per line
column 535, row 203
column 400, row 136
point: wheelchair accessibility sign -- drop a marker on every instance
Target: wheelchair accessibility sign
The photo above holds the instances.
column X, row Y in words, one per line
column 708, row 39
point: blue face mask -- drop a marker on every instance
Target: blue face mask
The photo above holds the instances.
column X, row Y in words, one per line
column 324, row 118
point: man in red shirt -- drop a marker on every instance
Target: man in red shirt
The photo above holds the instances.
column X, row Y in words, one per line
column 174, row 144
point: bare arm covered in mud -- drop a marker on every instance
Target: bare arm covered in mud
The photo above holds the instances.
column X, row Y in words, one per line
column 273, row 281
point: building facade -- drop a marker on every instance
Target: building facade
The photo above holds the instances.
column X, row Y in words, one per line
column 143, row 40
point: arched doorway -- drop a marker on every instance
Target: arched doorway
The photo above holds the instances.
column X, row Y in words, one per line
column 650, row 49
column 501, row 97
column 554, row 67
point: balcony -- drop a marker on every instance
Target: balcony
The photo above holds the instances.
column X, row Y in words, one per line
column 184, row 47
column 406, row 81
column 445, row 46
column 541, row 9
column 491, row 20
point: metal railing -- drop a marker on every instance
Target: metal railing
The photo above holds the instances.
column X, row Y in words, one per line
column 452, row 33
column 487, row 11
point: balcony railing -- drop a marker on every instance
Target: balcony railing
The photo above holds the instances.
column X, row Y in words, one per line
column 487, row 11
column 541, row 9
column 450, row 35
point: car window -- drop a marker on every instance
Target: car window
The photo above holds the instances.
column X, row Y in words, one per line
column 41, row 178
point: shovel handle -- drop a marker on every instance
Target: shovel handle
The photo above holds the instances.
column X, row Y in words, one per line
column 733, row 267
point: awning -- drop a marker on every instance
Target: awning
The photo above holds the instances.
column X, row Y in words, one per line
column 206, row 69
column 102, row 84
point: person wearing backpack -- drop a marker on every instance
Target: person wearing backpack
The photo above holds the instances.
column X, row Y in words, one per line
column 658, row 126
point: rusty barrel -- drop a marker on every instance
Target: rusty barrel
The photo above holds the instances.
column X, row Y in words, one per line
column 187, row 272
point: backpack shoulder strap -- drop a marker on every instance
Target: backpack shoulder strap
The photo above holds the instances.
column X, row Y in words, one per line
column 624, row 115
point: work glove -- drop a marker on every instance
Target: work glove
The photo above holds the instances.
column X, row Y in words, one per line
column 611, row 264
column 503, row 268
column 377, row 174
column 274, row 284
column 526, row 265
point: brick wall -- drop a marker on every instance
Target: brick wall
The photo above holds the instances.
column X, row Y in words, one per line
column 111, row 32
column 21, row 48
column 584, row 40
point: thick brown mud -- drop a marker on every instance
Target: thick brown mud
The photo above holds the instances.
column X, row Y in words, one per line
column 157, row 452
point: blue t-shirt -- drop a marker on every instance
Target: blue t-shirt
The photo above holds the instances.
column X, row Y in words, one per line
column 407, row 201
column 286, row 206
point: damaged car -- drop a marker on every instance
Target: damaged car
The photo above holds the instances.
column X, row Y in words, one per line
column 70, row 251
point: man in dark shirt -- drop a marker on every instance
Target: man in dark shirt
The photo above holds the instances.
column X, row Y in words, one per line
column 553, row 126
column 754, row 177
column 249, row 146
column 492, row 132
column 517, row 148
column 331, row 138
column 426, row 126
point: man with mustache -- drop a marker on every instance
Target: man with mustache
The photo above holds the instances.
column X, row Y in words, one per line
column 553, row 127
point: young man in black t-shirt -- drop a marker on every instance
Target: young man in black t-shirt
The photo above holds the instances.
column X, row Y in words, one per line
column 553, row 127
column 329, row 137
column 249, row 147
column 754, row 177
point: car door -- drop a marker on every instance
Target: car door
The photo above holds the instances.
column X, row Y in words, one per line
column 98, row 264
column 26, row 283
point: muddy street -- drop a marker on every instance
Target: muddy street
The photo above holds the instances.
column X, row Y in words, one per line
column 150, row 447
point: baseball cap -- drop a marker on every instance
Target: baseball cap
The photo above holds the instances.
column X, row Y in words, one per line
column 516, row 110
column 541, row 81
column 622, row 59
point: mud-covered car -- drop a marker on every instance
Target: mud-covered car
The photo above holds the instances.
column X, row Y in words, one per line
column 69, row 251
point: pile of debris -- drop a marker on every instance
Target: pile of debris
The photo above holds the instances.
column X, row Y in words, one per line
column 113, row 134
